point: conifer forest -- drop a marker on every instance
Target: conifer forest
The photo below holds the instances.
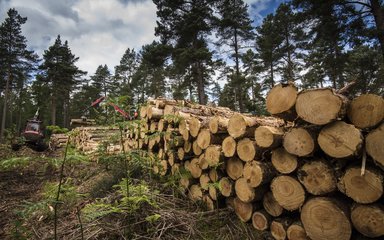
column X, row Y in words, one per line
column 227, row 124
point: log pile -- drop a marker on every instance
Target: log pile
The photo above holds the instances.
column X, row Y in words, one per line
column 312, row 171
column 90, row 139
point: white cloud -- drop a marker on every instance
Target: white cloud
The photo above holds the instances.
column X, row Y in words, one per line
column 97, row 31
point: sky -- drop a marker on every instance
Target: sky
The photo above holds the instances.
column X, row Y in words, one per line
column 98, row 31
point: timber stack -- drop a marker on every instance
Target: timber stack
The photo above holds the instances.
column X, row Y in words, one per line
column 312, row 170
column 91, row 139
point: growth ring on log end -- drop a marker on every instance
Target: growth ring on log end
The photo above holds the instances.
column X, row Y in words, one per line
column 320, row 106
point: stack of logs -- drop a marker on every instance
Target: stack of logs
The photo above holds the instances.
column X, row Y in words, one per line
column 313, row 171
column 89, row 139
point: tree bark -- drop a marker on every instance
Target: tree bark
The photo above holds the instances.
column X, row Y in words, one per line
column 378, row 14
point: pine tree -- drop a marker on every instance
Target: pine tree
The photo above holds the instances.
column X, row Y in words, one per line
column 61, row 75
column 268, row 47
column 150, row 77
column 234, row 29
column 124, row 73
column 294, row 39
column 185, row 26
column 328, row 26
column 16, row 62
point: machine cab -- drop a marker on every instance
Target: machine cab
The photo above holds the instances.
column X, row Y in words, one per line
column 33, row 131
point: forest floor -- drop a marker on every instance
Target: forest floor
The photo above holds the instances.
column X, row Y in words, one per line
column 94, row 203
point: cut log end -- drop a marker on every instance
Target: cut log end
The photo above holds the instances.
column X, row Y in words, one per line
column 340, row 140
column 283, row 161
column 281, row 99
column 317, row 177
column 298, row 141
column 374, row 145
column 366, row 188
column 320, row 106
column 323, row 218
column 366, row 110
column 229, row 146
column 288, row 192
column 246, row 149
column 368, row 219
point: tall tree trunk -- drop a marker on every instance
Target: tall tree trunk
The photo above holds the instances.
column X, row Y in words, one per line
column 239, row 85
column 200, row 83
column 53, row 109
column 378, row 13
column 272, row 77
column 19, row 106
column 4, row 117
column 289, row 58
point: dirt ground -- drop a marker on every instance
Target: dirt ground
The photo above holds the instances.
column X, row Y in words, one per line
column 20, row 185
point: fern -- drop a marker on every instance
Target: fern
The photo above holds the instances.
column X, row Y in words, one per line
column 98, row 210
column 14, row 163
